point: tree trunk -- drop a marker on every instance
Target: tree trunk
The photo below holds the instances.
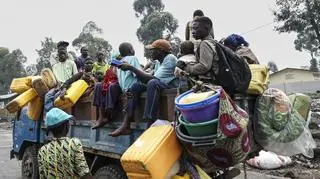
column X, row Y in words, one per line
column 312, row 19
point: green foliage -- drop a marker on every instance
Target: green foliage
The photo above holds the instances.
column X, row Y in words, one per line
column 146, row 7
column 302, row 17
column 314, row 65
column 11, row 66
column 272, row 66
column 45, row 54
column 88, row 37
column 155, row 23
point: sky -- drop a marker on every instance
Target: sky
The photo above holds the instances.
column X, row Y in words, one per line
column 24, row 24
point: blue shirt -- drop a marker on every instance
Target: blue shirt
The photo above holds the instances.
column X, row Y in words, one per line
column 165, row 71
column 80, row 63
column 127, row 78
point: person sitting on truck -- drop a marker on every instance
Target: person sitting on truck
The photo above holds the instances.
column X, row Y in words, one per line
column 163, row 78
column 241, row 47
column 106, row 95
column 125, row 80
column 207, row 59
column 100, row 65
column 85, row 75
column 63, row 157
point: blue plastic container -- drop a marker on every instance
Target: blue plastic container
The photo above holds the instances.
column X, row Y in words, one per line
column 115, row 62
column 202, row 111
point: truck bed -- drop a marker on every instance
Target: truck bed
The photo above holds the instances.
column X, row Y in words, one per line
column 98, row 140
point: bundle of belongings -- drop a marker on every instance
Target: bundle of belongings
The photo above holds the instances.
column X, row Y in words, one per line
column 280, row 123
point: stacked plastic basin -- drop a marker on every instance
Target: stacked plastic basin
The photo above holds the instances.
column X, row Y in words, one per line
column 199, row 118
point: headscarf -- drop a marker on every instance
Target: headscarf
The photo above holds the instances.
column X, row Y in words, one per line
column 235, row 41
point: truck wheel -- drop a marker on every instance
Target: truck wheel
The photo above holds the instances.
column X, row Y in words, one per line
column 29, row 164
column 110, row 172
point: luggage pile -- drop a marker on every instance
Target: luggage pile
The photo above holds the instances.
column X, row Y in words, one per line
column 31, row 90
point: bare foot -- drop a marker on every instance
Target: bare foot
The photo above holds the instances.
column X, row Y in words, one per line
column 100, row 123
column 120, row 131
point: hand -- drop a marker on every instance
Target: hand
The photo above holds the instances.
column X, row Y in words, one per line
column 181, row 65
column 125, row 66
column 63, row 93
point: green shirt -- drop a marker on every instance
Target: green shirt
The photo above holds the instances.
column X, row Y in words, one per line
column 62, row 158
column 64, row 70
column 100, row 67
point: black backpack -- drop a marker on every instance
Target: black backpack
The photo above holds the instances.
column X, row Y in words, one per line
column 234, row 74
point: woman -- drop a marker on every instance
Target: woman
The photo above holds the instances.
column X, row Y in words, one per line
column 241, row 47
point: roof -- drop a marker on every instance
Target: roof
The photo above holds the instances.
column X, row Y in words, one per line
column 7, row 96
column 285, row 69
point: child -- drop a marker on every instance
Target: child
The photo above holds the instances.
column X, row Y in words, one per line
column 187, row 56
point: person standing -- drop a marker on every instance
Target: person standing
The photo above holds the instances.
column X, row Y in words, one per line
column 207, row 59
column 63, row 157
column 65, row 68
column 80, row 60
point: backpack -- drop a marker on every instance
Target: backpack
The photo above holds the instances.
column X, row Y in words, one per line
column 234, row 74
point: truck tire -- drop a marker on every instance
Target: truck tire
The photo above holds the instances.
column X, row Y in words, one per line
column 110, row 172
column 29, row 163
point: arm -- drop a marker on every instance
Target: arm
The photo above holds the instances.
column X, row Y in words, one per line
column 71, row 80
column 81, row 167
column 205, row 60
column 143, row 76
column 187, row 32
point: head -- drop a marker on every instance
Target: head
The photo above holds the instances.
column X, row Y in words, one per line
column 201, row 27
column 234, row 41
column 88, row 64
column 84, row 51
column 126, row 49
column 186, row 47
column 57, row 122
column 62, row 51
column 197, row 13
column 101, row 56
column 159, row 49
column 99, row 75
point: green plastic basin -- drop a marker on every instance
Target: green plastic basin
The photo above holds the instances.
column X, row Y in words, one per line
column 200, row 129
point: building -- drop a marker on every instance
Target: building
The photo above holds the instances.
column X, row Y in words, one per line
column 4, row 100
column 294, row 80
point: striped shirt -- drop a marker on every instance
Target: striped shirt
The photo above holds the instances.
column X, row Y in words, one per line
column 62, row 158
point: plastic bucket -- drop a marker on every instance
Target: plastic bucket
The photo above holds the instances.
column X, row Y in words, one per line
column 202, row 111
column 196, row 104
column 200, row 129
column 194, row 141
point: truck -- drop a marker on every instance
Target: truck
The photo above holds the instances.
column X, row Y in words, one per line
column 102, row 151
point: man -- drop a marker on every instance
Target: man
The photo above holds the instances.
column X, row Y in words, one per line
column 65, row 68
column 80, row 60
column 163, row 78
column 207, row 59
column 63, row 157
column 188, row 33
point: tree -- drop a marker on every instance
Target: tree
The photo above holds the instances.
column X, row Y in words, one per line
column 11, row 66
column 272, row 66
column 314, row 65
column 302, row 17
column 46, row 54
column 88, row 37
column 155, row 23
